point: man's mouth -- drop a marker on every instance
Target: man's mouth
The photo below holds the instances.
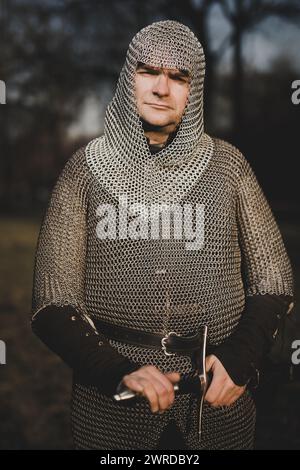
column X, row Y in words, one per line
column 159, row 106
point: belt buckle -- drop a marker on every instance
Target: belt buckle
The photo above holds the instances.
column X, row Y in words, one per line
column 163, row 343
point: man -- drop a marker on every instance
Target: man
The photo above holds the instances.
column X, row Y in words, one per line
column 102, row 262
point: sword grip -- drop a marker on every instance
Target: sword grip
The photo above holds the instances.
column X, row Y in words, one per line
column 186, row 384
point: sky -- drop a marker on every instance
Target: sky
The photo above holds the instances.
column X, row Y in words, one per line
column 273, row 38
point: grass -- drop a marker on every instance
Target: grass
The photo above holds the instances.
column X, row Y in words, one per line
column 35, row 384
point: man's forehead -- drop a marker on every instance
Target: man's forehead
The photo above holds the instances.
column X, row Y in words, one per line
column 184, row 72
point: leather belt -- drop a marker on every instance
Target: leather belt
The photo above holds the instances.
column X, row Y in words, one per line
column 171, row 343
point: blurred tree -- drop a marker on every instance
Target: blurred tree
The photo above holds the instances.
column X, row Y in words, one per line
column 244, row 16
column 55, row 54
column 59, row 52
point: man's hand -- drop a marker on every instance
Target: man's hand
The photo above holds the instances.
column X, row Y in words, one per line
column 154, row 385
column 222, row 390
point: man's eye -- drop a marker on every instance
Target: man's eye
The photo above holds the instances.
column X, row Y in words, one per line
column 147, row 71
column 179, row 79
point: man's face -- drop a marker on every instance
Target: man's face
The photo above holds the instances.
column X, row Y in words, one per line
column 161, row 94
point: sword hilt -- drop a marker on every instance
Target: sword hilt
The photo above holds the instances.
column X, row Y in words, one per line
column 186, row 384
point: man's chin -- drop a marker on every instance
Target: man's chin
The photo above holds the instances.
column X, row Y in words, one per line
column 152, row 124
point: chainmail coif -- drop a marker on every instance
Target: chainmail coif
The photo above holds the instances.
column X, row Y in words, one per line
column 158, row 285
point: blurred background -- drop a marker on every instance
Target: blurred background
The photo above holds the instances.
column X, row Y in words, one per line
column 60, row 61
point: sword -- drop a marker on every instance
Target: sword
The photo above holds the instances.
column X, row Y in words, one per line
column 204, row 378
column 197, row 384
column 186, row 384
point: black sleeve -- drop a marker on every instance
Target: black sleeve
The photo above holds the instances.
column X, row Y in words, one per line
column 242, row 352
column 90, row 355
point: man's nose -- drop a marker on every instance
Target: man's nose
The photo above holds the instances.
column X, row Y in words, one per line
column 161, row 86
